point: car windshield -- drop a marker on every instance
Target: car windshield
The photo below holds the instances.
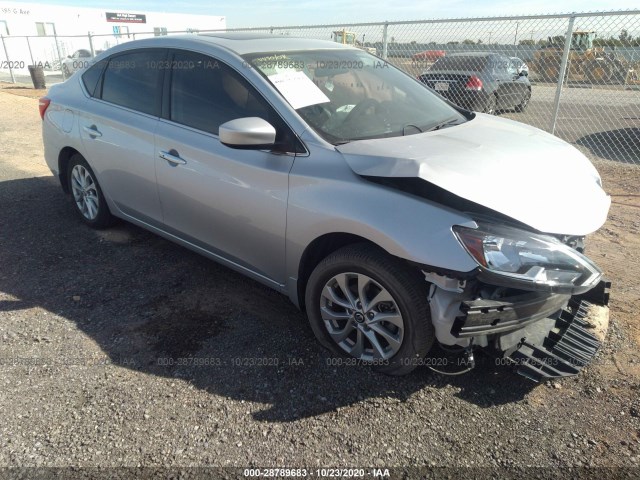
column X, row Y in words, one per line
column 347, row 95
column 470, row 63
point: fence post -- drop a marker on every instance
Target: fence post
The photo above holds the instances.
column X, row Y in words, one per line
column 563, row 69
column 30, row 52
column 93, row 52
column 55, row 37
column 6, row 54
column 385, row 43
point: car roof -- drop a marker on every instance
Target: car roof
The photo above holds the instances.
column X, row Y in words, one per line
column 241, row 43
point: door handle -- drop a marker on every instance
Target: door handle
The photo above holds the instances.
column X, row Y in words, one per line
column 172, row 157
column 92, row 131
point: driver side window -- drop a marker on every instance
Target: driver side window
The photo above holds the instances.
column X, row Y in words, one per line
column 205, row 93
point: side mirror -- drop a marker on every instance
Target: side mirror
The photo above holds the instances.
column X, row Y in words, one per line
column 249, row 133
column 68, row 56
column 523, row 73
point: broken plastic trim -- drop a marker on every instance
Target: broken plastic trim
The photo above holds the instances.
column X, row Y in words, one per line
column 485, row 317
column 565, row 351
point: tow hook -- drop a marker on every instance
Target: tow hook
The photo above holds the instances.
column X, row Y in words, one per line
column 465, row 359
column 470, row 361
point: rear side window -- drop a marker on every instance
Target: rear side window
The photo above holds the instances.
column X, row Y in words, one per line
column 133, row 80
column 470, row 63
column 91, row 77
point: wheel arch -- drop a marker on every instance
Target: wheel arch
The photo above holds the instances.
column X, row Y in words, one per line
column 320, row 248
column 63, row 161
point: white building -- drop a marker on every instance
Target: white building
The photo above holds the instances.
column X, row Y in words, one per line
column 55, row 32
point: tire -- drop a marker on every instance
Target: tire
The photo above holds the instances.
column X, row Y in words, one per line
column 86, row 194
column 368, row 272
column 490, row 107
column 65, row 70
column 599, row 72
column 522, row 106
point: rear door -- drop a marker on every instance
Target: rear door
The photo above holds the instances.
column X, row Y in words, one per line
column 230, row 202
column 117, row 130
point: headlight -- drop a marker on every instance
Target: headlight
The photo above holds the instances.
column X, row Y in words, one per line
column 520, row 259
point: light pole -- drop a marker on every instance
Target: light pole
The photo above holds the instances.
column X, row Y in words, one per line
column 515, row 40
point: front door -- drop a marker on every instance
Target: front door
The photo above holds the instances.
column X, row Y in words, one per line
column 228, row 201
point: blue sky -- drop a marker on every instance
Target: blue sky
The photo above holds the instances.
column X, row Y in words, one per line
column 246, row 13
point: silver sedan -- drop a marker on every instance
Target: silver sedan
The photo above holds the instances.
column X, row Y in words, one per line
column 404, row 225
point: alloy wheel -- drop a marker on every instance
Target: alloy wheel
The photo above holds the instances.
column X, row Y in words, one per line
column 85, row 192
column 361, row 317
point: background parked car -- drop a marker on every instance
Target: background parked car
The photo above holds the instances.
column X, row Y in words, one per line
column 428, row 55
column 79, row 60
column 520, row 65
column 484, row 82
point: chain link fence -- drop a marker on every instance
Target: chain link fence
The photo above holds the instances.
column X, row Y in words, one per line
column 574, row 75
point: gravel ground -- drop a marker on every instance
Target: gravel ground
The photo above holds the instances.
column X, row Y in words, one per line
column 120, row 349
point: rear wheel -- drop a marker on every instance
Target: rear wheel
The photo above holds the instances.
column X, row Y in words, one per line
column 86, row 194
column 598, row 72
column 368, row 305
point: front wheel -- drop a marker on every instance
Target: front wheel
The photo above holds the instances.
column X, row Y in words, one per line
column 363, row 303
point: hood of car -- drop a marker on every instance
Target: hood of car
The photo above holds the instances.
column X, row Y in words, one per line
column 506, row 166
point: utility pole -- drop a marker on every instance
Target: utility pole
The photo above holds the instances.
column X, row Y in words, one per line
column 515, row 40
column 489, row 42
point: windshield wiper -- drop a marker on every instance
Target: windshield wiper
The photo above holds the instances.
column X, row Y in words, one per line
column 448, row 123
column 413, row 126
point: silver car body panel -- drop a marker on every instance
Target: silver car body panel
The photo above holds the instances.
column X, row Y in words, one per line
column 511, row 168
column 368, row 210
column 122, row 157
column 232, row 201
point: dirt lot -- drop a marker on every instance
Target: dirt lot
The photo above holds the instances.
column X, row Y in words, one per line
column 94, row 327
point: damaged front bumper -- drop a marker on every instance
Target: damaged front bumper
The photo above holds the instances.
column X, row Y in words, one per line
column 544, row 335
column 564, row 351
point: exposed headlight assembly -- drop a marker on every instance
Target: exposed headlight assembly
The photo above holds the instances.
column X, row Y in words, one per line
column 516, row 258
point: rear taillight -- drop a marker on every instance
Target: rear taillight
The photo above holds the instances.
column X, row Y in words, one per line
column 43, row 104
column 474, row 83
